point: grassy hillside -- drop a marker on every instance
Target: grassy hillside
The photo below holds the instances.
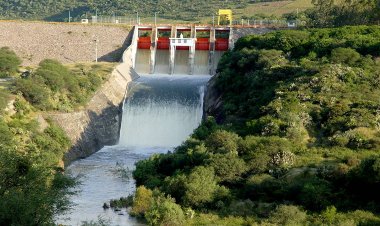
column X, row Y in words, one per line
column 276, row 8
column 196, row 10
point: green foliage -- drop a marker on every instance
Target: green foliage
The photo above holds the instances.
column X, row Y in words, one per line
column 300, row 139
column 344, row 55
column 164, row 211
column 228, row 167
column 9, row 62
column 200, row 187
column 329, row 13
column 223, row 142
column 142, row 201
column 33, row 188
column 54, row 87
column 288, row 215
column 171, row 9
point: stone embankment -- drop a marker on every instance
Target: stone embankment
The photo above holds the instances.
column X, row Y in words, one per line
column 67, row 43
column 98, row 124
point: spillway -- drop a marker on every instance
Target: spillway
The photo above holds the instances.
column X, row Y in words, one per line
column 181, row 62
column 162, row 111
column 201, row 62
column 159, row 114
column 162, row 61
column 142, row 61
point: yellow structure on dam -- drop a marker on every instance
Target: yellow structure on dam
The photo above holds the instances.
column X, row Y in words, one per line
column 225, row 17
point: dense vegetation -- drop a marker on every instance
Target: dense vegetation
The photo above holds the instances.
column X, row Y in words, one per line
column 331, row 13
column 58, row 9
column 33, row 187
column 298, row 144
column 53, row 86
column 326, row 13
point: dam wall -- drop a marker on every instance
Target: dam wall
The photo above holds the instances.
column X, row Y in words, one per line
column 98, row 125
column 65, row 42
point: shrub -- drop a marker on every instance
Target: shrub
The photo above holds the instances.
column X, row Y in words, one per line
column 164, row 211
column 344, row 55
column 228, row 167
column 36, row 94
column 142, row 201
column 288, row 216
column 200, row 187
column 222, row 141
column 9, row 62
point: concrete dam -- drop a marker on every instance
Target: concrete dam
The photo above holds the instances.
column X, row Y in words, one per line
column 179, row 50
column 167, row 69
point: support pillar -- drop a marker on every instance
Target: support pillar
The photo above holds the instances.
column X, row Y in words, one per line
column 153, row 48
column 211, row 55
column 231, row 42
column 172, row 59
column 134, row 45
column 191, row 59
column 192, row 51
column 172, row 50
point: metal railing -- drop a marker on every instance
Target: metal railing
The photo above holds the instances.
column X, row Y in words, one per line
column 133, row 20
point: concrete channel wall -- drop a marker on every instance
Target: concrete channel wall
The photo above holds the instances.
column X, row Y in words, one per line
column 99, row 123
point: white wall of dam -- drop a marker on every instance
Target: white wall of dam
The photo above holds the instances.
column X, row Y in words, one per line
column 98, row 124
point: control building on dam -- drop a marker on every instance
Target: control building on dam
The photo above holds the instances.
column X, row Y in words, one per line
column 180, row 50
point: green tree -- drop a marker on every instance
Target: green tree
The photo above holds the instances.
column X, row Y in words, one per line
column 9, row 62
column 142, row 201
column 288, row 216
column 222, row 141
column 344, row 55
column 228, row 167
column 164, row 211
column 200, row 187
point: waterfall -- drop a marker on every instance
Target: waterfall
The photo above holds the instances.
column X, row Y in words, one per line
column 162, row 111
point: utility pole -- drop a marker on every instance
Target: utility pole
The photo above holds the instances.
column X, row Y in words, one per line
column 96, row 49
column 155, row 18
column 69, row 17
column 213, row 20
column 137, row 18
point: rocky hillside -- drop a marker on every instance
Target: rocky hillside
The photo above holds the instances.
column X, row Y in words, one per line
column 67, row 43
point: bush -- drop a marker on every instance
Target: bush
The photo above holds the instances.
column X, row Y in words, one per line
column 164, row 211
column 9, row 62
column 142, row 201
column 200, row 187
column 228, row 167
column 223, row 142
column 288, row 216
column 36, row 94
column 344, row 55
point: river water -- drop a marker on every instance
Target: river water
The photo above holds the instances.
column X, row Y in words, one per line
column 159, row 114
